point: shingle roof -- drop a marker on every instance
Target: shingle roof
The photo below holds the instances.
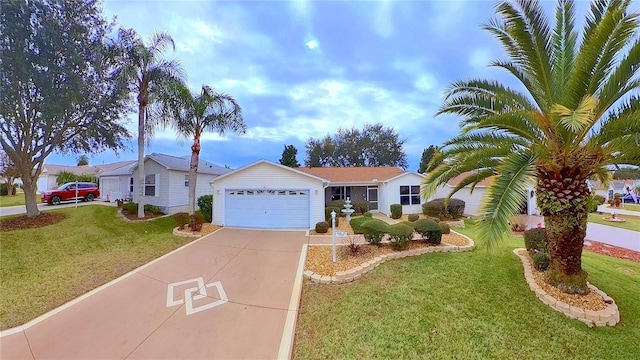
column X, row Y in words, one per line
column 458, row 179
column 353, row 174
column 171, row 163
column 85, row 169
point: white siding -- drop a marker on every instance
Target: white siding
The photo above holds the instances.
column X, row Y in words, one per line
column 269, row 177
column 473, row 201
column 161, row 198
column 389, row 193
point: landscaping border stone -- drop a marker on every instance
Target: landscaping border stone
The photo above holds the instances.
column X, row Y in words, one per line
column 609, row 316
column 342, row 277
column 189, row 234
column 136, row 221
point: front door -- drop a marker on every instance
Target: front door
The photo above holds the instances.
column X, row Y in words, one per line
column 372, row 198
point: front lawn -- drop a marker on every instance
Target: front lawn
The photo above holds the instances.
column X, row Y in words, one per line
column 473, row 305
column 43, row 268
column 631, row 223
column 632, row 207
column 12, row 200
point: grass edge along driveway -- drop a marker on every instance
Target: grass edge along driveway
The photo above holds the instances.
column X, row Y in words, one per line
column 473, row 305
column 43, row 268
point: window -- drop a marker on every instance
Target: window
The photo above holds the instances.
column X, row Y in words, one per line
column 410, row 195
column 150, row 185
column 186, row 180
column 340, row 192
column 131, row 185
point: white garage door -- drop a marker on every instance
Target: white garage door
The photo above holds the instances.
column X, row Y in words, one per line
column 110, row 188
column 267, row 209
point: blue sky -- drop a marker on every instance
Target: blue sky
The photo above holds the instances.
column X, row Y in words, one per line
column 302, row 69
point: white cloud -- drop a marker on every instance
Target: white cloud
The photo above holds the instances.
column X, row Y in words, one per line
column 382, row 22
column 312, row 44
column 425, row 82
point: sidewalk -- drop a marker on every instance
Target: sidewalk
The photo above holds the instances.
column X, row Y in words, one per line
column 620, row 211
column 21, row 209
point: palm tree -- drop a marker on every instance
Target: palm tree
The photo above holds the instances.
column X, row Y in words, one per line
column 147, row 73
column 193, row 114
column 577, row 112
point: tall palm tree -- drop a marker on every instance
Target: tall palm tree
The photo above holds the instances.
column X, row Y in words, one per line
column 577, row 112
column 147, row 73
column 193, row 114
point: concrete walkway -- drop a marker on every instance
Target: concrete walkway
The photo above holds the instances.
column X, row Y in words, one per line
column 619, row 211
column 230, row 295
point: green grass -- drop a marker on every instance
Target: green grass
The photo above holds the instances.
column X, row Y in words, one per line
column 14, row 200
column 632, row 207
column 356, row 222
column 631, row 223
column 473, row 305
column 41, row 269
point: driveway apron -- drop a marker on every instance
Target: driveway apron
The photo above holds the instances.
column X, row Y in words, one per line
column 225, row 296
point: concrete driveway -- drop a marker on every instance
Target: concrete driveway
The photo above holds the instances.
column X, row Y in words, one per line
column 225, row 296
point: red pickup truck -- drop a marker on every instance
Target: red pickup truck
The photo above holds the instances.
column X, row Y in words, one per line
column 86, row 192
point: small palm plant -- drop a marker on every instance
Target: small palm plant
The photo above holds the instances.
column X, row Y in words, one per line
column 577, row 112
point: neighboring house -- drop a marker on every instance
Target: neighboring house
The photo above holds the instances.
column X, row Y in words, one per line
column 48, row 177
column 268, row 195
column 613, row 187
column 166, row 181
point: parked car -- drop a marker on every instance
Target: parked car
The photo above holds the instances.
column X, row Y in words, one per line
column 86, row 192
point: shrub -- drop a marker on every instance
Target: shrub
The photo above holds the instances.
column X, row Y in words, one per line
column 367, row 214
column 396, row 211
column 360, row 206
column 205, row 203
column 535, row 240
column 182, row 219
column 357, row 222
column 446, row 229
column 327, row 214
column 541, row 260
column 429, row 229
column 130, row 207
column 4, row 189
column 322, row 227
column 337, row 204
column 400, row 235
column 408, row 223
column 518, row 227
column 413, row 217
column 197, row 220
column 374, row 230
column 436, row 208
column 433, row 218
column 353, row 244
column 601, row 199
column 151, row 209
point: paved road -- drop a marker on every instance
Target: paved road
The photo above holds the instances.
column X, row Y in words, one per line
column 20, row 209
column 173, row 308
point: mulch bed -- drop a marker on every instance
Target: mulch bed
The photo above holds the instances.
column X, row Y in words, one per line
column 611, row 250
column 134, row 216
column 24, row 222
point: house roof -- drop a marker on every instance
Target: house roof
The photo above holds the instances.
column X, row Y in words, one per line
column 170, row 163
column 354, row 174
column 458, row 179
column 85, row 169
column 295, row 170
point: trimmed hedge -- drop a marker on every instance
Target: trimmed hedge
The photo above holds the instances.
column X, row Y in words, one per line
column 396, row 211
column 535, row 240
column 132, row 208
column 541, row 261
column 322, row 227
column 400, row 235
column 360, row 206
column 429, row 229
column 436, row 208
column 413, row 217
column 367, row 214
column 205, row 203
column 446, row 229
column 374, row 230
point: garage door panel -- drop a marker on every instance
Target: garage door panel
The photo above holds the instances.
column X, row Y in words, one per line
column 278, row 209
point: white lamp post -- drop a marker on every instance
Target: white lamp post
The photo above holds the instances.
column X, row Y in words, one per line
column 333, row 233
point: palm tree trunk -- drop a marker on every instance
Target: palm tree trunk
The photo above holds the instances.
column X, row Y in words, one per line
column 141, row 177
column 562, row 200
column 193, row 173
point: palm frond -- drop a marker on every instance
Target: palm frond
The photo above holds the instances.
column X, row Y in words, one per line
column 578, row 119
column 564, row 41
column 507, row 193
